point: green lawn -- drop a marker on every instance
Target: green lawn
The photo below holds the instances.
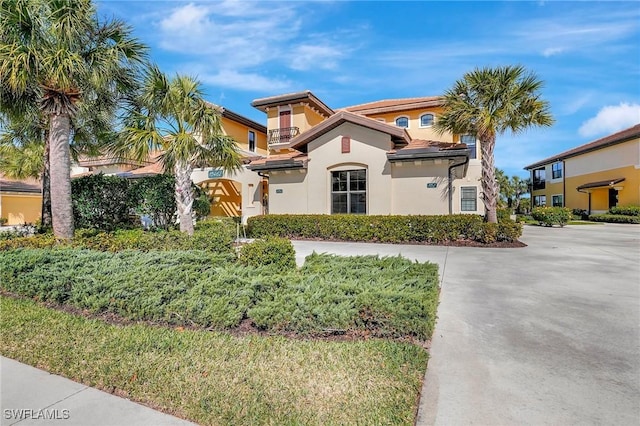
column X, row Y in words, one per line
column 219, row 378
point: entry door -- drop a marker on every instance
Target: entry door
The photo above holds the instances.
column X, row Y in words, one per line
column 613, row 197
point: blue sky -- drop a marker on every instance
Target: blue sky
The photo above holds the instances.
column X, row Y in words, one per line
column 588, row 54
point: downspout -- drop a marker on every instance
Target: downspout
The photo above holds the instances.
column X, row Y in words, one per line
column 564, row 184
column 450, row 183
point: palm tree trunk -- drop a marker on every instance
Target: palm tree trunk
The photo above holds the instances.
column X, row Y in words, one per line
column 489, row 186
column 45, row 221
column 60, row 165
column 184, row 196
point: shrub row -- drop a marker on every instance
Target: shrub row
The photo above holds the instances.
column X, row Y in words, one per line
column 214, row 236
column 549, row 216
column 387, row 229
column 625, row 210
column 366, row 295
column 614, row 218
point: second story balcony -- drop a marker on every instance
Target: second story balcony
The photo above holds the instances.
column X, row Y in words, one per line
column 282, row 135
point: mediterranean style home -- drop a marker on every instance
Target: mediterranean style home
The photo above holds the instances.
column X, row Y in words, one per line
column 380, row 158
column 593, row 177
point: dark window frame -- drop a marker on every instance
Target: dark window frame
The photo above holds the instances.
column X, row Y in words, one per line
column 402, row 118
column 252, row 141
column 349, row 193
column 556, row 170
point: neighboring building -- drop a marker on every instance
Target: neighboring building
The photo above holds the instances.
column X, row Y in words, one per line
column 376, row 158
column 20, row 200
column 594, row 177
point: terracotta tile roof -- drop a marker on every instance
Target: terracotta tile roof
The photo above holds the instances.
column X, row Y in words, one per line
column 431, row 145
column 152, row 169
column 305, row 96
column 619, row 137
column 279, row 157
column 390, row 105
column 290, row 160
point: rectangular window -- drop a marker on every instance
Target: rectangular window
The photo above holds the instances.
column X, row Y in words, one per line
column 349, row 192
column 557, row 201
column 469, row 199
column 539, row 178
column 470, row 141
column 556, row 170
column 252, row 141
column 539, row 201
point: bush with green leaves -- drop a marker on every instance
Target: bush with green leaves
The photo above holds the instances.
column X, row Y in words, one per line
column 386, row 229
column 614, row 218
column 367, row 295
column 625, row 210
column 272, row 251
column 549, row 216
column 154, row 197
column 101, row 202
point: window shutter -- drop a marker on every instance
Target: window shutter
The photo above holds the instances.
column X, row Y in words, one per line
column 346, row 144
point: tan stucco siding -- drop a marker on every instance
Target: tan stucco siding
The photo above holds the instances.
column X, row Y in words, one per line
column 472, row 179
column 368, row 151
column 288, row 192
column 19, row 209
column 411, row 194
column 610, row 158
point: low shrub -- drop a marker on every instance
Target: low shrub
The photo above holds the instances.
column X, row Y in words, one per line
column 366, row 295
column 625, row 210
column 101, row 202
column 549, row 216
column 3, row 221
column 614, row 218
column 272, row 251
column 386, row 229
column 580, row 214
column 17, row 232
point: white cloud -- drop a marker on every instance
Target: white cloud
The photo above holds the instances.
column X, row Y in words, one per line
column 307, row 56
column 611, row 119
column 186, row 19
column 550, row 51
column 251, row 82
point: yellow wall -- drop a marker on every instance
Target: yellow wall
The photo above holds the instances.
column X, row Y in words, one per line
column 240, row 133
column 629, row 194
column 19, row 209
column 417, row 132
column 225, row 196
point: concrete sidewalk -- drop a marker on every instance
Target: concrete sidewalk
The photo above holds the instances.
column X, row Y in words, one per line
column 35, row 397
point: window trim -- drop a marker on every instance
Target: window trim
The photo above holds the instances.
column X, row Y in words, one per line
column 432, row 114
column 395, row 121
column 560, row 169
column 539, row 197
column 255, row 141
column 348, row 169
column 553, row 204
column 463, row 199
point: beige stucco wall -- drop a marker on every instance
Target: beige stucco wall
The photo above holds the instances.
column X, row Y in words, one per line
column 613, row 157
column 251, row 188
column 391, row 188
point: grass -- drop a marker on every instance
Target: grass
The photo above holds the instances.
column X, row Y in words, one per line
column 218, row 378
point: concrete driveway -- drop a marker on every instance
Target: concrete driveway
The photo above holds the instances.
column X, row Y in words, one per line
column 546, row 334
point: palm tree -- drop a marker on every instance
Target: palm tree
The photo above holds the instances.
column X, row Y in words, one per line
column 486, row 103
column 170, row 116
column 520, row 187
column 60, row 54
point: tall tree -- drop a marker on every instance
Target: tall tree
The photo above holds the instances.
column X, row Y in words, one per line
column 520, row 187
column 59, row 53
column 488, row 102
column 171, row 116
column 504, row 189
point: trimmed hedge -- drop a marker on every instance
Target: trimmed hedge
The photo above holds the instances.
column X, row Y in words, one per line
column 212, row 236
column 363, row 295
column 272, row 251
column 614, row 218
column 625, row 210
column 549, row 216
column 385, row 229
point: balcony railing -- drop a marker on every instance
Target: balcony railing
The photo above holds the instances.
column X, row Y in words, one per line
column 282, row 135
column 538, row 184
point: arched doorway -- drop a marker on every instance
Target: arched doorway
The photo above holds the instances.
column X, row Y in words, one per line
column 225, row 196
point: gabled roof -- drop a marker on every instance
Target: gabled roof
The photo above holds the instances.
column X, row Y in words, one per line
column 305, row 96
column 391, row 105
column 288, row 160
column 616, row 138
column 398, row 135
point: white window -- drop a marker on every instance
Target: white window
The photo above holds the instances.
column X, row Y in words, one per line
column 349, row 191
column 470, row 141
column 557, row 201
column 469, row 199
column 556, row 170
column 402, row 122
column 427, row 120
column 539, row 201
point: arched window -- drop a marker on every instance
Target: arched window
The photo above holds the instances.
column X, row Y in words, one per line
column 426, row 120
column 402, row 122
